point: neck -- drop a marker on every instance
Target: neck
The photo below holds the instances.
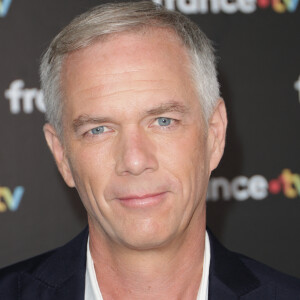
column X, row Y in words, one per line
column 173, row 271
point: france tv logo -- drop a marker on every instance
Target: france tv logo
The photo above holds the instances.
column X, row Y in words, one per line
column 189, row 7
column 4, row 7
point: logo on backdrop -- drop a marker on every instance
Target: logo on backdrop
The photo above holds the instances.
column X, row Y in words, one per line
column 257, row 187
column 4, row 7
column 189, row 7
column 23, row 99
column 297, row 87
column 10, row 200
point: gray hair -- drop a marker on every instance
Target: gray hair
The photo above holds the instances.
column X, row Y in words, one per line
column 111, row 18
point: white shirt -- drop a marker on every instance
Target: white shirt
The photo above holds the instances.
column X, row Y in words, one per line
column 92, row 290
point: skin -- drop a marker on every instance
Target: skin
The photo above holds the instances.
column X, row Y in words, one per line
column 143, row 179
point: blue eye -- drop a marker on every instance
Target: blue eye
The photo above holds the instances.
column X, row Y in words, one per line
column 164, row 121
column 97, row 130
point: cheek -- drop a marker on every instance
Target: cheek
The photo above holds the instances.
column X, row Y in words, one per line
column 186, row 152
column 187, row 160
column 91, row 167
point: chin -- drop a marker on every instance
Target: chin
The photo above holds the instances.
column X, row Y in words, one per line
column 145, row 244
column 152, row 238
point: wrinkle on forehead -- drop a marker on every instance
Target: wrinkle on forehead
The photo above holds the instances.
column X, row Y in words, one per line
column 103, row 89
column 121, row 44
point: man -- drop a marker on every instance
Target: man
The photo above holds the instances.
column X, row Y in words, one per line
column 136, row 124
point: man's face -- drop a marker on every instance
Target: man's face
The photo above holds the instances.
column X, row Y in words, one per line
column 134, row 139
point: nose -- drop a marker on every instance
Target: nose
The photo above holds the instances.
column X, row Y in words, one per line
column 136, row 153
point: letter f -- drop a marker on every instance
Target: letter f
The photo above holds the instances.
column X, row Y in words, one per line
column 14, row 95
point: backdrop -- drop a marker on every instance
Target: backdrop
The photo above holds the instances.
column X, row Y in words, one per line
column 254, row 195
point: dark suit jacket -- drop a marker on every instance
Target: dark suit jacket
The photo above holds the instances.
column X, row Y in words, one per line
column 60, row 274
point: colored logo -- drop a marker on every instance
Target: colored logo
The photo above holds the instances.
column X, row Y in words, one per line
column 23, row 99
column 278, row 5
column 228, row 6
column 10, row 200
column 256, row 187
column 297, row 87
column 4, row 7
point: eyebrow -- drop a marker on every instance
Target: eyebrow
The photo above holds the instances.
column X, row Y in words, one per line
column 86, row 119
column 172, row 106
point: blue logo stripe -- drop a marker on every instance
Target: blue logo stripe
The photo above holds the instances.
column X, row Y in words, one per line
column 17, row 197
column 4, row 7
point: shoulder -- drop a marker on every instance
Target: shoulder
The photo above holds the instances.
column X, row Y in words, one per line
column 28, row 265
column 50, row 269
column 268, row 275
column 10, row 275
column 241, row 276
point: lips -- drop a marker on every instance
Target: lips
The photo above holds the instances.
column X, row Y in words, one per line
column 142, row 200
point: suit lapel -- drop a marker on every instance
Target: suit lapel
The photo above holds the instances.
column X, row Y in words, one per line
column 229, row 278
column 60, row 276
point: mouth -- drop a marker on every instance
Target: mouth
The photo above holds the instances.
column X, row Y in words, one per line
column 141, row 201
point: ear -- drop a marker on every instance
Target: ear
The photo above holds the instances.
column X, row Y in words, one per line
column 59, row 154
column 217, row 134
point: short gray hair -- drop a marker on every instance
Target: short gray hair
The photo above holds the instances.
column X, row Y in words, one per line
column 111, row 18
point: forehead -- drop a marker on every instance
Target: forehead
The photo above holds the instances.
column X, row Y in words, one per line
column 129, row 51
column 140, row 61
